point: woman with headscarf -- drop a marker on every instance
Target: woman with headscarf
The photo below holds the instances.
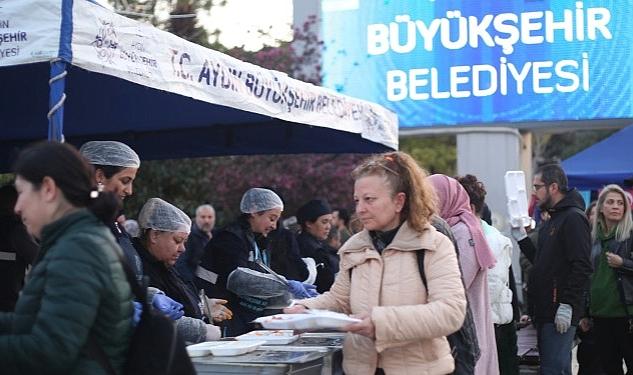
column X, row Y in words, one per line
column 499, row 286
column 475, row 258
column 164, row 230
column 233, row 251
column 77, row 291
column 403, row 323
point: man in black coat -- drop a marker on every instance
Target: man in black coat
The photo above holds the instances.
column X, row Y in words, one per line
column 561, row 268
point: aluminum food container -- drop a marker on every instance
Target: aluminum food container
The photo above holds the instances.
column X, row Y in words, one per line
column 312, row 354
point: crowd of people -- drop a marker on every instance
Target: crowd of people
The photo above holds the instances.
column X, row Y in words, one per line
column 418, row 263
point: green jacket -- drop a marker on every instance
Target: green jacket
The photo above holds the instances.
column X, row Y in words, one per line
column 76, row 288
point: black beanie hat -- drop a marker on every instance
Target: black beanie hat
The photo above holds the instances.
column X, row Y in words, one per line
column 313, row 210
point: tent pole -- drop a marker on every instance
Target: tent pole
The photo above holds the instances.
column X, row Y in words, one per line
column 57, row 97
column 57, row 82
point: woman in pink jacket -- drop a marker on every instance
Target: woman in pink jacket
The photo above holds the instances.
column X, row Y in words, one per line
column 403, row 325
column 476, row 258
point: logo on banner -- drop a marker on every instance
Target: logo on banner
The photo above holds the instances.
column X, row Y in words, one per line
column 106, row 42
column 125, row 48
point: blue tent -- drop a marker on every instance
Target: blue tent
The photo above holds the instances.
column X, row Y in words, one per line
column 76, row 71
column 606, row 162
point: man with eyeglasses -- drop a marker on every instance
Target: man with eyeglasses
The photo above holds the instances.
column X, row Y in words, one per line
column 561, row 268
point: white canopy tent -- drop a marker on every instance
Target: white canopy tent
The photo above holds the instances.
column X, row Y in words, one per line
column 74, row 70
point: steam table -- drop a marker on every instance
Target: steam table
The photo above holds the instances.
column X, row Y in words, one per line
column 311, row 354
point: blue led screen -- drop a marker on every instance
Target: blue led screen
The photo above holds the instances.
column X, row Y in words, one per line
column 469, row 62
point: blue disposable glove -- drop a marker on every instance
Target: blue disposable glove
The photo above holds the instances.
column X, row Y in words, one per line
column 138, row 310
column 563, row 318
column 298, row 289
column 311, row 289
column 167, row 306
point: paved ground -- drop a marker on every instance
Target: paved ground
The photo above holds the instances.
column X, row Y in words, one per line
column 527, row 346
column 533, row 370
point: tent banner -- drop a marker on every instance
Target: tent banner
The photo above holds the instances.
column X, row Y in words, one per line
column 108, row 43
column 29, row 31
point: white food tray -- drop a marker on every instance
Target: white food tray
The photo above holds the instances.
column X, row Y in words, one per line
column 312, row 320
column 202, row 349
column 517, row 199
column 271, row 337
column 223, row 348
column 236, row 347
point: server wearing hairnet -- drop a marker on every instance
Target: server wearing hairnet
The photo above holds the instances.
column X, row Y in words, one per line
column 234, row 248
column 164, row 230
column 116, row 165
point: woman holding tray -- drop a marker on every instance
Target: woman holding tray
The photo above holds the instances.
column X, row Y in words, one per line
column 403, row 323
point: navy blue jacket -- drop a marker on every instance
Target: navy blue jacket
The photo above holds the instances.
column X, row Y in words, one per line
column 190, row 259
column 231, row 247
column 325, row 257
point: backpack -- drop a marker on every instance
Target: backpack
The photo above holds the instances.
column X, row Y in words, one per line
column 155, row 346
column 463, row 342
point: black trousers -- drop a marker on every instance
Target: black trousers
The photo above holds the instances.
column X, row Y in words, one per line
column 587, row 354
column 615, row 344
column 506, row 336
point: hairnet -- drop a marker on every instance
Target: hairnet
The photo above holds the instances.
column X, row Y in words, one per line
column 258, row 199
column 160, row 215
column 112, row 153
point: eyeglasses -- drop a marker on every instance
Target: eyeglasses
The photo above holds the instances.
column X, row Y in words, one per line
column 381, row 164
column 538, row 186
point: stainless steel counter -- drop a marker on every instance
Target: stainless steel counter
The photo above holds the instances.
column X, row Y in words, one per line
column 311, row 354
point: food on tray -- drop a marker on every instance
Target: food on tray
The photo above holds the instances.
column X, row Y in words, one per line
column 269, row 333
column 279, row 337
